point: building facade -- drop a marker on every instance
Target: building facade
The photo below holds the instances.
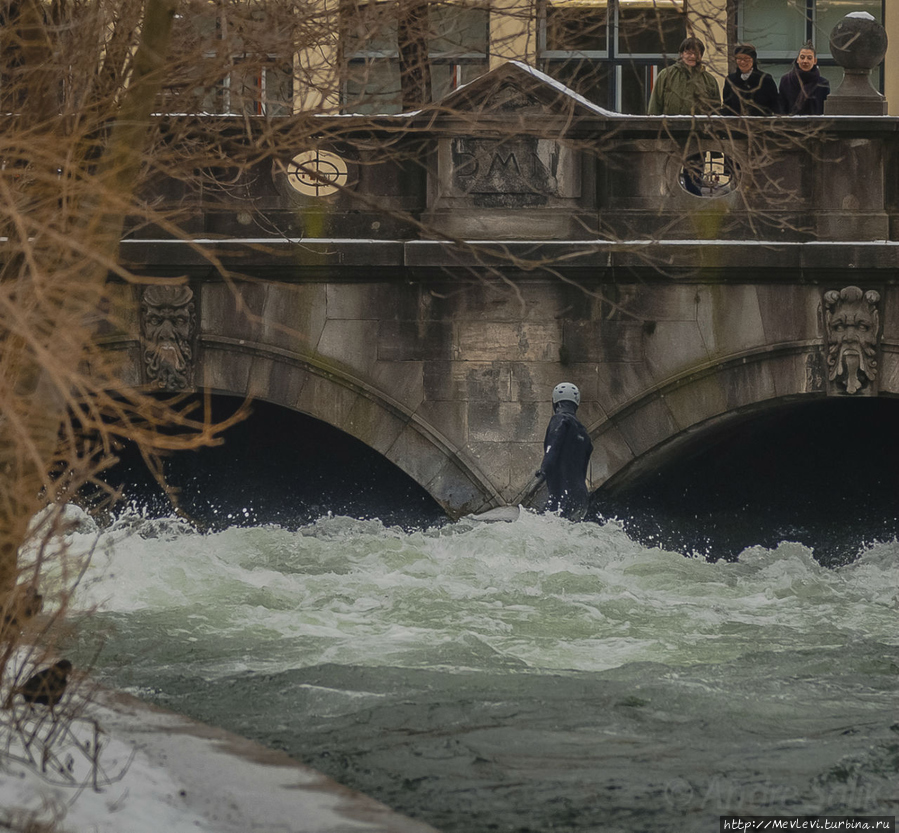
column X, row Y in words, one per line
column 610, row 51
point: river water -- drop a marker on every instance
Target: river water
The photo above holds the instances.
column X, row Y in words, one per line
column 528, row 676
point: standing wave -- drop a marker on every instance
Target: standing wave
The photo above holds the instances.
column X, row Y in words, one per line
column 495, row 676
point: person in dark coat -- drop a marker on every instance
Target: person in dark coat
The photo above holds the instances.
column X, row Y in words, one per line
column 567, row 449
column 748, row 91
column 803, row 89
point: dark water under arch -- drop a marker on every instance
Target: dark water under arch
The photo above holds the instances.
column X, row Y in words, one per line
column 277, row 467
column 822, row 473
column 825, row 474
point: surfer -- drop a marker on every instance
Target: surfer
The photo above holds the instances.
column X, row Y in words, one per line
column 567, row 449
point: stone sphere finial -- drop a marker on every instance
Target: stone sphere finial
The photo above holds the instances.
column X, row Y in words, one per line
column 858, row 41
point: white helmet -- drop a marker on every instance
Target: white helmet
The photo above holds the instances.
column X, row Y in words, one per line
column 566, row 392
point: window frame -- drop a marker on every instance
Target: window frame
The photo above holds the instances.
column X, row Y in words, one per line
column 261, row 103
column 455, row 60
column 219, row 95
column 651, row 63
column 781, row 56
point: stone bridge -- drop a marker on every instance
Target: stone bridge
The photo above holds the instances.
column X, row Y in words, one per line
column 422, row 283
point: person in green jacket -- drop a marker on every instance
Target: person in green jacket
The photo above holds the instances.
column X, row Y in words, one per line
column 685, row 88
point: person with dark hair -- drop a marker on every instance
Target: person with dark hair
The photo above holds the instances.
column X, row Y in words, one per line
column 567, row 448
column 748, row 91
column 685, row 88
column 803, row 89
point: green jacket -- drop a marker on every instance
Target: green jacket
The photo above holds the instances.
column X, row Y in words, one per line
column 682, row 91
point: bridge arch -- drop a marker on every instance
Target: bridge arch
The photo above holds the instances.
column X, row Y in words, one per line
column 453, row 387
column 661, row 421
column 821, row 472
column 333, row 394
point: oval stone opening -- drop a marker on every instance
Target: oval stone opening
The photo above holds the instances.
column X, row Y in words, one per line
column 708, row 174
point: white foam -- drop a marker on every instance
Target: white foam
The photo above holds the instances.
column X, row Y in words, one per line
column 541, row 591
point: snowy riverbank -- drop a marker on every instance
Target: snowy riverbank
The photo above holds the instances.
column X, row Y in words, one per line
column 165, row 772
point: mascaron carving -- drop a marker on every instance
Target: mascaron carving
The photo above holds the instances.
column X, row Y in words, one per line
column 167, row 325
column 851, row 332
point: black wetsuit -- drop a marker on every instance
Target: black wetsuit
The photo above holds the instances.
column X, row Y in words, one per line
column 567, row 449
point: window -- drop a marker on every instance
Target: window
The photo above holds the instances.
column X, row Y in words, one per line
column 233, row 57
column 258, row 86
column 610, row 50
column 457, row 52
column 779, row 28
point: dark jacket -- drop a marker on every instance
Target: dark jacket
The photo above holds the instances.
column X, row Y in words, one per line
column 755, row 96
column 803, row 93
column 567, row 449
column 682, row 91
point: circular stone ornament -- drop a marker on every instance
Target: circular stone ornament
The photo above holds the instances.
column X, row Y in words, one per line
column 858, row 42
column 708, row 174
column 317, row 173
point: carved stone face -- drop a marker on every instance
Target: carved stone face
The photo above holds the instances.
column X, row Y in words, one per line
column 852, row 325
column 167, row 321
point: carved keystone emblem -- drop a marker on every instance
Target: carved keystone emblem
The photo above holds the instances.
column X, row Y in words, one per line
column 515, row 173
column 167, row 326
column 851, row 333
